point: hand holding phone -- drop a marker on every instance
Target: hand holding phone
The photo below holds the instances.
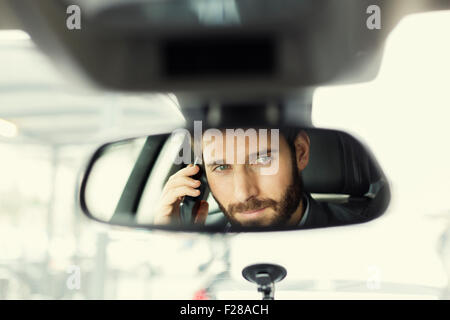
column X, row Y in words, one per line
column 190, row 205
column 182, row 198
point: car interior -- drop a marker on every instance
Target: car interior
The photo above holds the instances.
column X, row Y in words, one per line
column 229, row 64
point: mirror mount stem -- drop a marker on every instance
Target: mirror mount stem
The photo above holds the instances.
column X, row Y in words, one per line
column 267, row 289
column 294, row 108
column 265, row 275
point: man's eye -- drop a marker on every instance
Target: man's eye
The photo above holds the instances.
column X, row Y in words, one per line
column 263, row 160
column 222, row 167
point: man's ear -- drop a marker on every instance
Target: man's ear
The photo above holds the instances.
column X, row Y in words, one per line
column 302, row 150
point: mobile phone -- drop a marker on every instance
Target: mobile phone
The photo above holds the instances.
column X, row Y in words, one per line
column 189, row 204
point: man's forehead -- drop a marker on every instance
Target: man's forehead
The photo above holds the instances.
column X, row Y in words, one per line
column 218, row 144
column 223, row 136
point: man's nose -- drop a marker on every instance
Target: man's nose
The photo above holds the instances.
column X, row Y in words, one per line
column 245, row 184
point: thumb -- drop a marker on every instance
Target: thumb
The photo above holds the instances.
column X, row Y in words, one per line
column 202, row 212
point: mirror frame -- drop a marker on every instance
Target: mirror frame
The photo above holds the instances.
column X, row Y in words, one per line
column 211, row 229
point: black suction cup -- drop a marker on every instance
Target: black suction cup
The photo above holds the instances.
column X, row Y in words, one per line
column 264, row 273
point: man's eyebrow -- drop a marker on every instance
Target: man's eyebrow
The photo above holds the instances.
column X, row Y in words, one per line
column 215, row 162
column 267, row 151
column 221, row 161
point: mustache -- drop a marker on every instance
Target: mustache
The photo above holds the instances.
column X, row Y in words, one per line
column 252, row 205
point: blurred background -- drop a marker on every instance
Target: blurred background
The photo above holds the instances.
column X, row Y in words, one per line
column 49, row 127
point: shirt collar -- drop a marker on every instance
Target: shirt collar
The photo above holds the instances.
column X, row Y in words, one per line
column 305, row 214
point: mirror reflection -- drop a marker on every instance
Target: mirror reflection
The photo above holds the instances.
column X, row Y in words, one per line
column 236, row 179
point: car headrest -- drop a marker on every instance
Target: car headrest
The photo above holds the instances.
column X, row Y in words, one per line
column 339, row 164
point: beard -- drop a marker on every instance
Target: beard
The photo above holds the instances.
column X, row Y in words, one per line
column 283, row 209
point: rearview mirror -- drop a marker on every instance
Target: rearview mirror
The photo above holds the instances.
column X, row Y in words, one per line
column 235, row 180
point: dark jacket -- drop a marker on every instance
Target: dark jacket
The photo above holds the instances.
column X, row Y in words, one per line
column 326, row 214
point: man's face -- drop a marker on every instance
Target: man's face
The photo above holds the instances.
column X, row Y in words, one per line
column 247, row 192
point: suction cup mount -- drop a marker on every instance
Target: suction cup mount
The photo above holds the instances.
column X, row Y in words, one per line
column 265, row 276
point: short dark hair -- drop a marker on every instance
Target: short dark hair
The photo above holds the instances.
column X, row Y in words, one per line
column 290, row 134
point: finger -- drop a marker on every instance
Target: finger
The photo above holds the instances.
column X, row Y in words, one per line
column 202, row 212
column 172, row 195
column 190, row 170
column 182, row 181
